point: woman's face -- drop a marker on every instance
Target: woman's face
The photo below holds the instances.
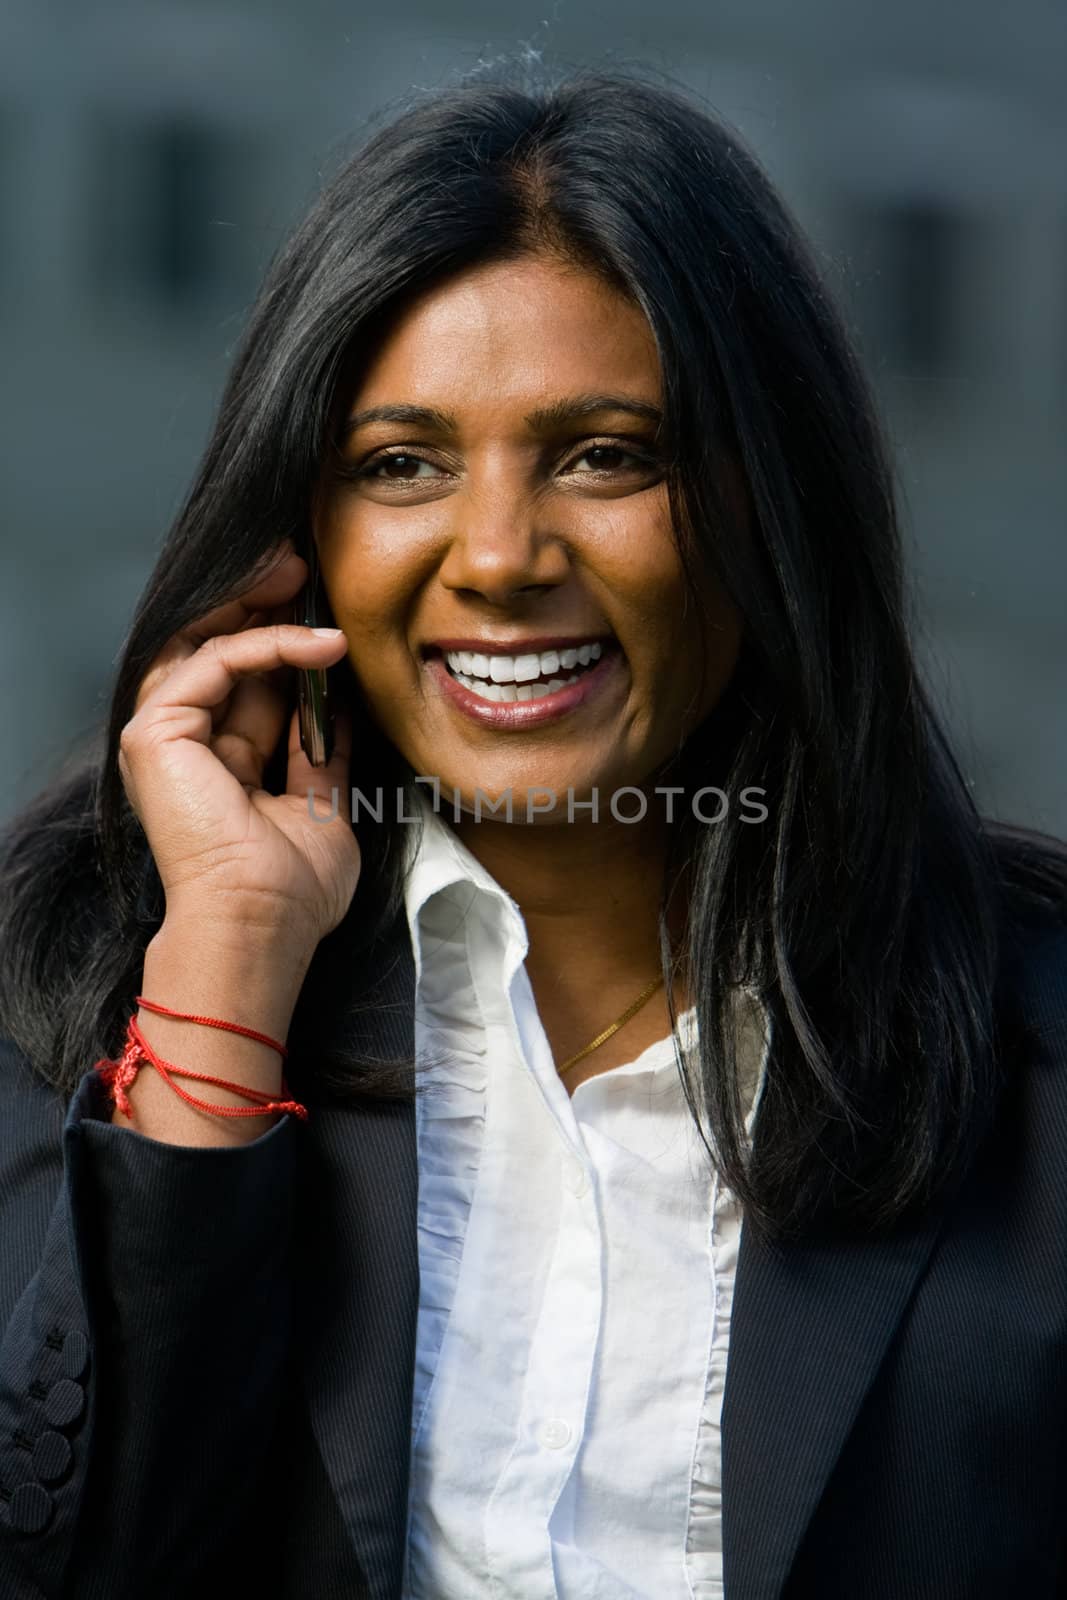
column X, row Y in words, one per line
column 506, row 507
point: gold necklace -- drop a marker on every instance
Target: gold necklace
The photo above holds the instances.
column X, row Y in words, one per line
column 615, row 1026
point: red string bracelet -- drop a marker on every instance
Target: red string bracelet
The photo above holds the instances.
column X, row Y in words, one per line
column 211, row 1022
column 119, row 1075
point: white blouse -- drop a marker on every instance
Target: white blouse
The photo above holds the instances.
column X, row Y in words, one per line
column 576, row 1261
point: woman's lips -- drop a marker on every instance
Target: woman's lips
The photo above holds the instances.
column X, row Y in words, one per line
column 517, row 715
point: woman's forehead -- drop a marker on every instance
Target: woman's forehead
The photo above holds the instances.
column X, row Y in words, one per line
column 518, row 335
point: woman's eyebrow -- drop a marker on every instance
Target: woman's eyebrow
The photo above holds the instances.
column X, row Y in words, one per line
column 560, row 412
column 425, row 416
column 542, row 420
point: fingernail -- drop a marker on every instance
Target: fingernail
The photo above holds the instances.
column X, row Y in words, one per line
column 328, row 633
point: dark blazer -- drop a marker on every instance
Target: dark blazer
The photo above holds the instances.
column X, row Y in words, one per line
column 207, row 1355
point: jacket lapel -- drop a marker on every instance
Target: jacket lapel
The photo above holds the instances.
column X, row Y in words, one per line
column 810, row 1325
column 356, row 1288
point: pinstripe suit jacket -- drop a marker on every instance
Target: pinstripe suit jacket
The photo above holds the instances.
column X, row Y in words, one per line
column 206, row 1356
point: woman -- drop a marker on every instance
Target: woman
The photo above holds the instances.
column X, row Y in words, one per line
column 547, row 385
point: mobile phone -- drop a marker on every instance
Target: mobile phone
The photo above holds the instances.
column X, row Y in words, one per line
column 313, row 691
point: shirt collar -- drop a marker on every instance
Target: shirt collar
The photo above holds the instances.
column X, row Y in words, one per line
column 441, row 859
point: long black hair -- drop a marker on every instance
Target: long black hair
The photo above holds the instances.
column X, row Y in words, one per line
column 866, row 909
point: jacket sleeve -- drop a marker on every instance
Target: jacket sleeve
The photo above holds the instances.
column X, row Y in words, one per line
column 145, row 1317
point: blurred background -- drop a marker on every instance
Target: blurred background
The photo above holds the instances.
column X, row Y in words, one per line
column 154, row 154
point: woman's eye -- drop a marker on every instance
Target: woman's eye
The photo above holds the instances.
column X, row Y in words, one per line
column 403, row 466
column 397, row 468
column 608, row 458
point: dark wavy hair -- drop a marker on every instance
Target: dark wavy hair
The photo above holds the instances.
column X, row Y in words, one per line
column 867, row 910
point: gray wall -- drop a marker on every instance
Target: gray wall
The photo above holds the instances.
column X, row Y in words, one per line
column 153, row 156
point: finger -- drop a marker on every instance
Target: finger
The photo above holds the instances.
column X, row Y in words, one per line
column 274, row 588
column 317, row 782
column 268, row 595
column 183, row 704
column 281, row 677
column 258, row 619
column 249, row 730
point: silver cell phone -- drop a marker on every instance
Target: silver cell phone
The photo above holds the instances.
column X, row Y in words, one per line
column 313, row 690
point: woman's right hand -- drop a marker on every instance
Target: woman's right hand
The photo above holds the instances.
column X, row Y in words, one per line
column 210, row 712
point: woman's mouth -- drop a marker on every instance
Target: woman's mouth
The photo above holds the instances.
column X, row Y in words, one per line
column 512, row 679
column 523, row 691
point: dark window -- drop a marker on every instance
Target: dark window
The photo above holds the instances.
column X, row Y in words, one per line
column 903, row 278
column 173, row 212
column 179, row 252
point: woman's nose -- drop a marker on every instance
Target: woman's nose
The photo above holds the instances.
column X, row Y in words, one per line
column 500, row 544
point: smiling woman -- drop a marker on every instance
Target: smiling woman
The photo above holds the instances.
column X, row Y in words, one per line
column 502, row 492
column 653, row 1203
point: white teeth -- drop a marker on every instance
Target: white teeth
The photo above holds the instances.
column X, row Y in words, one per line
column 521, row 669
column 511, row 691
